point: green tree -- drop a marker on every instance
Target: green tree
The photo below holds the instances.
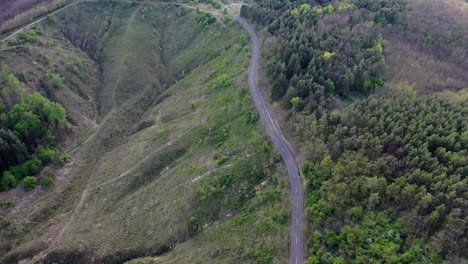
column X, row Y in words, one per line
column 295, row 103
column 243, row 40
column 47, row 181
column 8, row 181
column 30, row 182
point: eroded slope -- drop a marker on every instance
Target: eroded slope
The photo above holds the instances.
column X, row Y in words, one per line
column 167, row 148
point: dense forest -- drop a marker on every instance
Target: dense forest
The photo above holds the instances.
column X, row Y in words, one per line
column 390, row 182
column 386, row 175
column 28, row 123
column 324, row 49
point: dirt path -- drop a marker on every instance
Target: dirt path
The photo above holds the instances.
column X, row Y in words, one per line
column 41, row 19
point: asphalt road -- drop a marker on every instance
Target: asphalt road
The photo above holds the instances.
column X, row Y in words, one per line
column 296, row 254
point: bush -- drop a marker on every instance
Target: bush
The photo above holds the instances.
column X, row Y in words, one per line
column 33, row 167
column 8, row 180
column 30, row 182
column 44, row 57
column 47, row 181
column 57, row 81
column 23, row 76
column 64, row 159
column 46, row 155
column 243, row 40
column 50, row 19
column 223, row 80
column 204, row 19
column 7, row 203
column 221, row 160
column 229, row 20
column 5, row 222
column 28, row 37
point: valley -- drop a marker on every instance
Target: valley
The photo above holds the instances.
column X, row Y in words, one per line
column 164, row 122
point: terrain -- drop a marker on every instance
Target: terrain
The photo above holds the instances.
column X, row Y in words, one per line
column 165, row 149
column 161, row 156
column 372, row 96
column 17, row 13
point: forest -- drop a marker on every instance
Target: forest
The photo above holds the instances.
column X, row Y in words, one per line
column 28, row 124
column 385, row 167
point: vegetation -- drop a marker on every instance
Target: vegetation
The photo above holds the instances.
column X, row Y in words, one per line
column 7, row 203
column 327, row 50
column 386, row 174
column 147, row 118
column 47, row 181
column 30, row 182
column 204, row 19
column 27, row 124
column 16, row 14
column 391, row 183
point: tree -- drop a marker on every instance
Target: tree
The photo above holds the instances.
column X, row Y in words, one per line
column 243, row 40
column 295, row 103
column 204, row 19
column 47, row 181
column 30, row 182
column 8, row 181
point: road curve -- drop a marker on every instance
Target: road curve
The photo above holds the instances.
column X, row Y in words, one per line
column 296, row 253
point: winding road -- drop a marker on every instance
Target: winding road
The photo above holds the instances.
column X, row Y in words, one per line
column 297, row 195
column 296, row 254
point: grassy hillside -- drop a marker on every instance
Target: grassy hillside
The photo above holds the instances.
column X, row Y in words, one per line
column 167, row 149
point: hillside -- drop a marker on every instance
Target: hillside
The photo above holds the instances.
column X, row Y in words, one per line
column 16, row 13
column 135, row 132
column 164, row 145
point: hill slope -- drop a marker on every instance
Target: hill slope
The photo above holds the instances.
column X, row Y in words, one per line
column 167, row 144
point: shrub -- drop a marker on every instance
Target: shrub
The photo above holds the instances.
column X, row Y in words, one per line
column 30, row 182
column 7, row 203
column 50, row 43
column 8, row 180
column 28, row 37
column 228, row 20
column 33, row 166
column 221, row 160
column 47, row 181
column 23, row 76
column 5, row 222
column 44, row 57
column 46, row 155
column 223, row 80
column 243, row 40
column 57, row 81
column 64, row 159
column 204, row 19
column 50, row 19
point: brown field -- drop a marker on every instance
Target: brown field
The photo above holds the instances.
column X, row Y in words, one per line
column 18, row 12
column 438, row 66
